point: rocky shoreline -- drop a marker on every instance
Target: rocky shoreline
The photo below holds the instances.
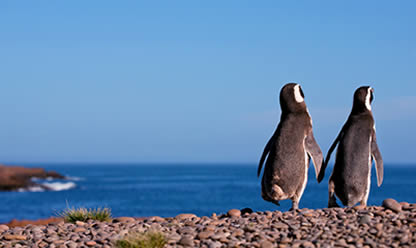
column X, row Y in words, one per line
column 390, row 225
column 18, row 177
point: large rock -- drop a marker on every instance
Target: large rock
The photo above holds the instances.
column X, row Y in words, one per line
column 392, row 205
column 234, row 213
column 17, row 177
column 185, row 216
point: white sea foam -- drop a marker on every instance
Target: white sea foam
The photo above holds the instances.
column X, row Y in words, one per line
column 57, row 186
column 75, row 178
column 32, row 189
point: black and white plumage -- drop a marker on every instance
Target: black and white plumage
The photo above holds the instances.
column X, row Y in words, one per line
column 357, row 146
column 289, row 150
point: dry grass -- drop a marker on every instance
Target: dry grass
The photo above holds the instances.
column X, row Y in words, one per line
column 149, row 239
column 83, row 214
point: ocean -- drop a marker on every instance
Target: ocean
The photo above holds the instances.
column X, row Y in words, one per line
column 170, row 189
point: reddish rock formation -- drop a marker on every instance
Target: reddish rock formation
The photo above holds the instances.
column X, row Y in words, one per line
column 40, row 222
column 16, row 177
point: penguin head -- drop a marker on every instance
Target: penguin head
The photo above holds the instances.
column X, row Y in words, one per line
column 363, row 97
column 292, row 98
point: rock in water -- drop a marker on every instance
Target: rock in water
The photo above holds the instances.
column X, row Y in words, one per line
column 392, row 205
column 16, row 177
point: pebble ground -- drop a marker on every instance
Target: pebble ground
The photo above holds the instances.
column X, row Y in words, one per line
column 390, row 225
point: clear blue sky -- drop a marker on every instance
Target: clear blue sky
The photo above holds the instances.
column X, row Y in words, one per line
column 196, row 81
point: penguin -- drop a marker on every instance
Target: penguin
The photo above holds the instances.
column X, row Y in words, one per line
column 357, row 147
column 289, row 150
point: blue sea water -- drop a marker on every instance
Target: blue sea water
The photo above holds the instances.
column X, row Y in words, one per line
column 171, row 189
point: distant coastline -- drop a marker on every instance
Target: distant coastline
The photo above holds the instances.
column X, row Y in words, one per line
column 15, row 178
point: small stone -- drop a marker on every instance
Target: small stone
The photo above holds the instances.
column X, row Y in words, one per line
column 210, row 228
column 280, row 225
column 44, row 244
column 189, row 223
column 185, row 216
column 174, row 238
column 307, row 244
column 80, row 229
column 58, row 242
column 237, row 233
column 234, row 213
column 379, row 226
column 157, row 219
column 205, row 234
column 14, row 237
column 215, row 244
column 79, row 223
column 3, row 228
column 123, row 219
column 91, row 243
column 379, row 213
column 392, row 205
column 365, row 219
column 404, row 239
column 266, row 244
column 186, row 241
column 269, row 214
column 308, row 214
column 71, row 244
column 359, row 207
column 185, row 230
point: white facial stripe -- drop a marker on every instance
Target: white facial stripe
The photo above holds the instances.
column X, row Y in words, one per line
column 298, row 96
column 367, row 99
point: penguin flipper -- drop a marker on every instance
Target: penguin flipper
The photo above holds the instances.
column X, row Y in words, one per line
column 378, row 160
column 264, row 155
column 314, row 151
column 328, row 156
column 267, row 149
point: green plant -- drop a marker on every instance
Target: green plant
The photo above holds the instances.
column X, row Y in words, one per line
column 83, row 214
column 149, row 239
